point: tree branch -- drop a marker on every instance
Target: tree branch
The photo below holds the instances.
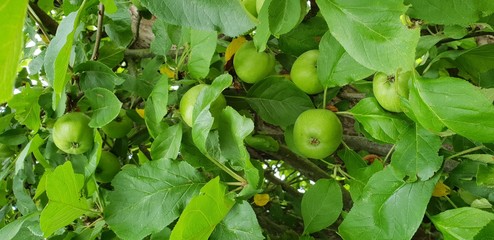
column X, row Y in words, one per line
column 46, row 21
column 99, row 31
column 358, row 143
column 139, row 53
column 470, row 35
column 285, row 186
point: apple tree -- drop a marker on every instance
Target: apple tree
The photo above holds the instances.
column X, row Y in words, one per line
column 247, row 119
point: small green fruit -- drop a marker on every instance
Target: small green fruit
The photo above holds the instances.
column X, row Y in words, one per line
column 304, row 72
column 107, row 168
column 72, row 134
column 317, row 133
column 189, row 99
column 252, row 66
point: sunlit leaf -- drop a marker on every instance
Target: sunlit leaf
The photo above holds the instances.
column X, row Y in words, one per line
column 461, row 223
column 65, row 202
column 11, row 45
column 203, row 212
column 383, row 44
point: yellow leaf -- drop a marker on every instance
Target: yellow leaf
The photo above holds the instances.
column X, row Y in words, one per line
column 441, row 190
column 140, row 112
column 261, row 199
column 233, row 47
column 164, row 69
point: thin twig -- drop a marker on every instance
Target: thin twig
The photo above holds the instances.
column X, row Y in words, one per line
column 470, row 35
column 99, row 31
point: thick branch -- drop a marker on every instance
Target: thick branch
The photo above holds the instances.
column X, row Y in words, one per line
column 48, row 23
column 361, row 143
column 139, row 53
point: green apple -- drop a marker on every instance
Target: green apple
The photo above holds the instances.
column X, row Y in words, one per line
column 119, row 127
column 189, row 99
column 252, row 66
column 389, row 89
column 107, row 168
column 72, row 134
column 317, row 133
column 304, row 72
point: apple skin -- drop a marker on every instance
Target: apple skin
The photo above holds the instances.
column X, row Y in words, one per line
column 189, row 99
column 72, row 134
column 119, row 127
column 389, row 89
column 304, row 72
column 252, row 66
column 317, row 133
column 107, row 168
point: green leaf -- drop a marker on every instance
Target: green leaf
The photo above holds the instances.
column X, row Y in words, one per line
column 321, row 205
column 240, row 224
column 233, row 128
column 58, row 53
column 201, row 117
column 11, row 46
column 416, row 153
column 359, row 170
column 278, row 101
column 148, row 198
column 94, row 155
column 203, row 46
column 157, row 106
column 335, row 67
column 449, row 12
column 383, row 44
column 224, row 16
column 96, row 74
column 65, row 203
column 167, row 144
column 262, row 30
column 27, row 109
column 486, row 232
column 485, row 175
column 284, row 15
column 163, row 33
column 461, row 223
column 110, row 6
column 477, row 60
column 304, row 37
column 105, row 106
column 389, row 208
column 5, row 121
column 23, row 168
column 380, row 124
column 454, row 103
column 203, row 212
column 110, row 54
column 13, row 229
column 117, row 26
column 485, row 158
